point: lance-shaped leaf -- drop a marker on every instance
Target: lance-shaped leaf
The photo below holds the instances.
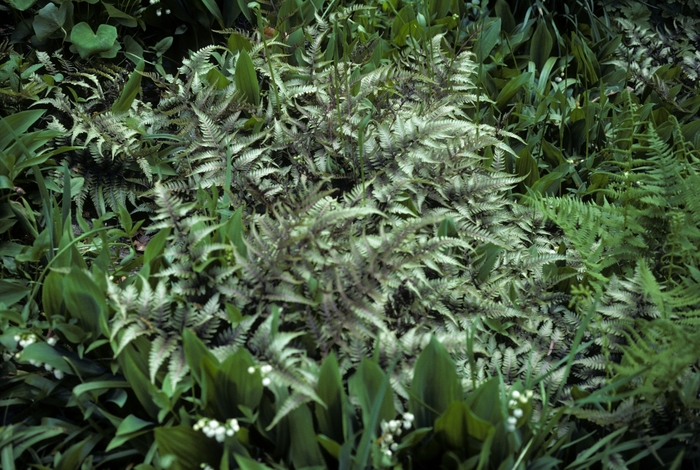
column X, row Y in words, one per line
column 132, row 87
column 246, row 79
column 435, row 384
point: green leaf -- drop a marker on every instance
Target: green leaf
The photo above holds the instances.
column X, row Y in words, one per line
column 485, row 401
column 435, row 384
column 246, row 79
column 203, row 365
column 249, row 464
column 330, row 390
column 12, row 291
column 236, row 386
column 238, row 42
column 130, row 427
column 448, row 228
column 214, row 10
column 487, row 40
column 190, row 448
column 134, row 369
column 458, row 423
column 131, row 89
column 21, row 5
column 13, row 126
column 121, row 17
column 45, row 354
column 51, row 19
column 85, row 301
column 541, row 45
column 365, row 385
column 512, row 87
column 503, row 11
column 218, row 79
column 89, row 43
column 234, row 230
column 486, row 255
column 304, row 450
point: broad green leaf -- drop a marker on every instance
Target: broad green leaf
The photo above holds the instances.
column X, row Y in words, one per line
column 332, row 447
column 215, row 11
column 21, row 5
column 45, row 354
column 485, row 401
column 487, row 39
column 85, row 301
column 526, row 166
column 304, row 450
column 541, row 45
column 131, row 89
column 121, row 17
column 512, row 87
column 13, row 290
column 448, row 228
column 487, row 255
column 218, row 79
column 203, row 365
column 458, row 422
column 549, row 184
column 51, row 18
column 246, row 78
column 238, row 42
column 249, row 464
column 135, row 371
column 235, row 230
column 506, row 15
column 73, row 457
column 236, row 386
column 191, row 448
column 435, row 384
column 330, row 390
column 13, row 126
column 130, row 427
column 87, row 42
column 365, row 385
column 439, row 8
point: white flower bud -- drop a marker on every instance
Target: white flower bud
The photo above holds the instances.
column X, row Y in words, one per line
column 266, row 369
column 58, row 373
column 251, row 370
column 409, row 417
column 512, row 421
column 266, row 382
column 52, row 341
column 17, row 338
column 518, row 413
column 515, row 394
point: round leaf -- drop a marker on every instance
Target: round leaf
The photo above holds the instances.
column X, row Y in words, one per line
column 88, row 43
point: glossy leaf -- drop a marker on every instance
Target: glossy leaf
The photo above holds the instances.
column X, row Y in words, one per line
column 512, row 87
column 330, row 390
column 86, row 302
column 458, row 423
column 246, row 79
column 87, row 42
column 131, row 89
column 541, row 45
column 366, row 385
column 236, row 386
column 487, row 39
column 191, row 448
column 304, row 449
column 435, row 384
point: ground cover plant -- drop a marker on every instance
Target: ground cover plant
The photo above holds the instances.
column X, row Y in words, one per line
column 414, row 235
